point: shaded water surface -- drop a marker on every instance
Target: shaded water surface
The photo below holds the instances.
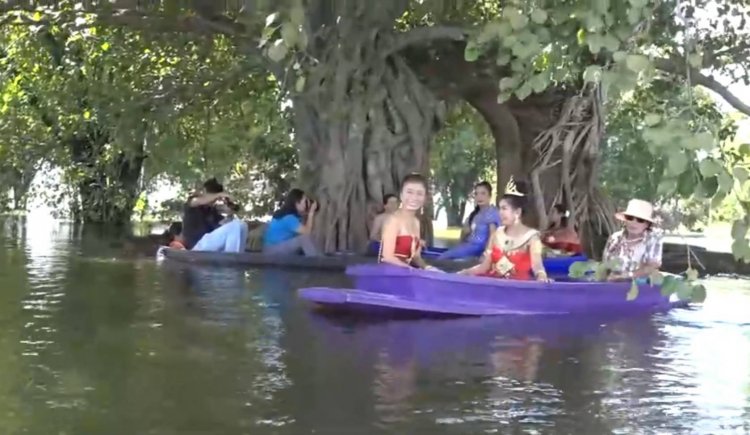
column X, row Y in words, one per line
column 93, row 343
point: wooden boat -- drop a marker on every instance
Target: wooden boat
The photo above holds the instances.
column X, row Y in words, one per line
column 387, row 289
column 337, row 262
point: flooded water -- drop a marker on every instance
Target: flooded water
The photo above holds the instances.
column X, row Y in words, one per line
column 92, row 343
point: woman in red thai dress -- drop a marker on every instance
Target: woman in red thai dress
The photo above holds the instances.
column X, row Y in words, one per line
column 561, row 237
column 401, row 243
column 514, row 250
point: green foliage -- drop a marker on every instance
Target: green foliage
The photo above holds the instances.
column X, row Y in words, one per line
column 623, row 47
column 687, row 288
column 462, row 154
column 97, row 101
column 632, row 165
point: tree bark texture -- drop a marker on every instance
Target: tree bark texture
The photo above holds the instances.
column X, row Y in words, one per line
column 364, row 122
column 109, row 186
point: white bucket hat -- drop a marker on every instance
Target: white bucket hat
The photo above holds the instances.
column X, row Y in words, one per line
column 638, row 209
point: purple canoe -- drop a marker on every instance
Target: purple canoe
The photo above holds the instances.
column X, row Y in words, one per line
column 382, row 288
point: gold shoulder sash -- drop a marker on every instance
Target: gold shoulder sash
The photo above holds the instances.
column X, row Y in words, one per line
column 510, row 244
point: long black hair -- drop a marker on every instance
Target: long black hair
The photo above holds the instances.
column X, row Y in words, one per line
column 485, row 185
column 289, row 206
column 563, row 211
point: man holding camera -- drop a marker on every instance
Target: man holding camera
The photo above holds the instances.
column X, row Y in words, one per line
column 204, row 228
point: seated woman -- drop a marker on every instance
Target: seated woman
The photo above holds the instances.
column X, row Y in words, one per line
column 286, row 234
column 174, row 236
column 514, row 250
column 400, row 245
column 390, row 205
column 482, row 222
column 561, row 236
column 635, row 251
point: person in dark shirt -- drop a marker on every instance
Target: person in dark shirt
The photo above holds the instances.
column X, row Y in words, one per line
column 203, row 226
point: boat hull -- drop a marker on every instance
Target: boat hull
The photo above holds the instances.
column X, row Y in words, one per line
column 403, row 288
column 556, row 266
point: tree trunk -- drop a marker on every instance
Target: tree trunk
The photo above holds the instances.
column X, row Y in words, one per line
column 454, row 212
column 108, row 190
column 21, row 184
column 364, row 123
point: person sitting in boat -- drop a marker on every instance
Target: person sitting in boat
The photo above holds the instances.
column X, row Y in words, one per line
column 514, row 250
column 635, row 251
column 482, row 222
column 204, row 228
column 288, row 233
column 561, row 237
column 401, row 244
column 174, row 236
column 390, row 205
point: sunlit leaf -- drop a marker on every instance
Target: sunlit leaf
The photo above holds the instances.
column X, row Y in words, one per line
column 290, row 34
column 709, row 167
column 699, row 294
column 539, row 16
column 677, row 163
column 691, row 274
column 299, row 85
column 277, row 51
column 741, row 174
column 739, row 229
column 684, row 291
column 593, row 73
column 633, row 292
column 578, row 269
column 471, row 52
column 656, row 278
column 637, row 62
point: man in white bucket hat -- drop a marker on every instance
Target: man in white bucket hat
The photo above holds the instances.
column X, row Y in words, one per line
column 636, row 250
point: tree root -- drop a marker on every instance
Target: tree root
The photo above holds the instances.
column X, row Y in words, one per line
column 572, row 147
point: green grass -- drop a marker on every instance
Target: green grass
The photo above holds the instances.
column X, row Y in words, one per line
column 448, row 234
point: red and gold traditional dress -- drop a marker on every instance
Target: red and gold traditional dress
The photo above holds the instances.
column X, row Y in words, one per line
column 562, row 239
column 512, row 257
column 406, row 248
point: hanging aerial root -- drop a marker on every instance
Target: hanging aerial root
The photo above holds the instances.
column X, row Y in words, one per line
column 571, row 146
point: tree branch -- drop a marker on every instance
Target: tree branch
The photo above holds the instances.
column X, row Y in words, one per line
column 423, row 35
column 677, row 67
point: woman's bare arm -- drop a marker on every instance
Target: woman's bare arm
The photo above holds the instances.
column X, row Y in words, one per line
column 206, row 199
column 537, row 263
column 417, row 259
column 377, row 227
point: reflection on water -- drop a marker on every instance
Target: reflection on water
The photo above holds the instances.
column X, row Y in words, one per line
column 96, row 344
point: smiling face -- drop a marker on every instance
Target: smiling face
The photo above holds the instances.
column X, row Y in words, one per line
column 509, row 215
column 413, row 195
column 635, row 226
column 482, row 196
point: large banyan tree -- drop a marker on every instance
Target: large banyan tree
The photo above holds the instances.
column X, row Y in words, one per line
column 368, row 81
